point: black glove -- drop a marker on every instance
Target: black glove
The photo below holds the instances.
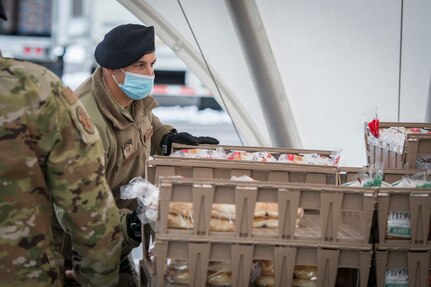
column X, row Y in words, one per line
column 183, row 138
column 134, row 226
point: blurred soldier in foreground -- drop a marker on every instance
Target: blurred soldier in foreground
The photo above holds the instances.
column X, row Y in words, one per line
column 51, row 153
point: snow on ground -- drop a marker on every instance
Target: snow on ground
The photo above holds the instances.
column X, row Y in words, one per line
column 73, row 80
column 192, row 115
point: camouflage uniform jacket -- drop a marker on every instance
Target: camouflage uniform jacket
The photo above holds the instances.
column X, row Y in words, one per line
column 128, row 137
column 50, row 152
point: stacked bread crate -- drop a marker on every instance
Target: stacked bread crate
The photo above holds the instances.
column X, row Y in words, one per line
column 258, row 170
column 390, row 175
column 292, row 227
column 399, row 145
column 402, row 245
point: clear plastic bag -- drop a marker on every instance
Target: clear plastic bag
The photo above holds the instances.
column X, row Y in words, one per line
column 418, row 180
column 371, row 178
column 147, row 196
column 312, row 158
column 217, row 153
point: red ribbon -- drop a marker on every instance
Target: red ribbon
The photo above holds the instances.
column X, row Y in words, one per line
column 373, row 126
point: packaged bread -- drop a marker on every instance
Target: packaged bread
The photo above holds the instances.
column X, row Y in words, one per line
column 218, row 153
column 221, row 224
column 266, row 267
column 263, row 222
column 297, row 282
column 184, row 209
column 219, row 273
column 265, row 281
column 266, row 209
column 261, row 156
column 291, row 158
column 272, row 221
column 220, row 266
column 270, row 209
column 219, row 279
column 306, row 272
column 179, row 221
column 178, row 277
column 177, row 264
column 219, row 210
column 216, row 224
column 213, row 278
column 299, row 215
column 237, row 155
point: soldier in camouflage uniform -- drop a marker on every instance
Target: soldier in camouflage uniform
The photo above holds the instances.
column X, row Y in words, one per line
column 50, row 152
column 117, row 97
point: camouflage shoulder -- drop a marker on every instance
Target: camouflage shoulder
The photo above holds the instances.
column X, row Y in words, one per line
column 28, row 68
column 79, row 115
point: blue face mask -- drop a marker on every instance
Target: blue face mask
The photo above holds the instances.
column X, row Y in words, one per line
column 136, row 86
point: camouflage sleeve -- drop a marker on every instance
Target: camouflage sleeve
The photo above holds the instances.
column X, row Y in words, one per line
column 159, row 131
column 75, row 174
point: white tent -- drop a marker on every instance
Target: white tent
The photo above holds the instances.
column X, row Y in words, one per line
column 303, row 74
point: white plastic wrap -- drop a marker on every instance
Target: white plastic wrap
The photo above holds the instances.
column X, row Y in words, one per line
column 372, row 178
column 418, row 180
column 218, row 153
column 147, row 196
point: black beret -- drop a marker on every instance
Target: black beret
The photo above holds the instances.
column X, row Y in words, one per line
column 124, row 45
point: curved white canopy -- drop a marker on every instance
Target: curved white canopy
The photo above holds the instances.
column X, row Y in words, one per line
column 303, row 73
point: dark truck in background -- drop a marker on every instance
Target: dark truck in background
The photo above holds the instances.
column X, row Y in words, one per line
column 48, row 32
column 36, row 31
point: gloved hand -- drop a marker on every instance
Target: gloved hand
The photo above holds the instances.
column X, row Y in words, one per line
column 134, row 226
column 183, row 138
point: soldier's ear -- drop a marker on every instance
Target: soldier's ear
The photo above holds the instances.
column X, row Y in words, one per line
column 112, row 75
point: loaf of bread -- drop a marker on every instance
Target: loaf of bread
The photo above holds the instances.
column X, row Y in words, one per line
column 217, row 210
column 304, row 275
column 223, row 216
column 306, row 272
column 184, row 209
column 272, row 221
column 178, row 277
column 266, row 267
column 265, row 281
column 266, row 209
column 179, row 222
column 223, row 211
column 219, row 279
column 219, row 273
column 262, row 222
column 220, row 266
column 221, row 224
column 177, row 264
column 216, row 224
column 182, row 277
column 304, row 283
